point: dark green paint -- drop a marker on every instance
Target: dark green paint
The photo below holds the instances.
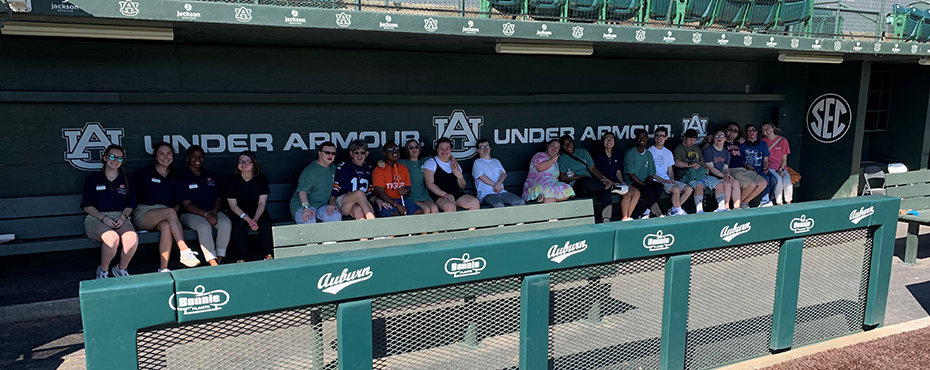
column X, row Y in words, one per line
column 787, row 283
column 534, row 322
column 353, row 328
column 675, row 312
column 883, row 238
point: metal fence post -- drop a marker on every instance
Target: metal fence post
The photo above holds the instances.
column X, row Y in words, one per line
column 787, row 283
column 880, row 266
column 534, row 322
column 353, row 329
column 675, row 312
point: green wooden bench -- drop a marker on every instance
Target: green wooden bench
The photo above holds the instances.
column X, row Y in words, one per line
column 320, row 238
column 913, row 187
column 56, row 223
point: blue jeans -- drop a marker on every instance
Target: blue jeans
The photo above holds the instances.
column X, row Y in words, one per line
column 503, row 199
column 769, row 194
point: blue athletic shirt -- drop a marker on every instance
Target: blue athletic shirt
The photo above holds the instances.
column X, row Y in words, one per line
column 350, row 177
column 109, row 196
column 153, row 188
column 736, row 156
column 201, row 190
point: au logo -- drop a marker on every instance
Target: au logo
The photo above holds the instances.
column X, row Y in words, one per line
column 747, row 40
column 243, row 14
column 698, row 123
column 129, row 8
column 465, row 266
column 508, row 29
column 198, row 301
column 577, row 32
column 640, row 34
column 658, row 241
column 86, row 145
column 430, row 24
column 829, row 118
column 696, row 37
column 464, row 131
column 343, row 19
column 802, row 224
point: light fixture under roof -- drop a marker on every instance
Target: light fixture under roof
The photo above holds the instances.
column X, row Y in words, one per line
column 810, row 58
column 86, row 30
column 544, row 49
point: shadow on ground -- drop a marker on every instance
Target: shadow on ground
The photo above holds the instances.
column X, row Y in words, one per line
column 41, row 344
column 923, row 249
column 921, row 292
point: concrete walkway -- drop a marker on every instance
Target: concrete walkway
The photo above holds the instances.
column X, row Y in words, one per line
column 33, row 340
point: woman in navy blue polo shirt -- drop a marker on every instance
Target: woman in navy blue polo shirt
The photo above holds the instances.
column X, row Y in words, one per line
column 157, row 207
column 198, row 191
column 247, row 192
column 109, row 197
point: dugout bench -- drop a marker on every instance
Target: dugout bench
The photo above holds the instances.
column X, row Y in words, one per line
column 913, row 187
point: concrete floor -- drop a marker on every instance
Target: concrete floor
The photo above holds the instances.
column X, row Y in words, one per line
column 58, row 342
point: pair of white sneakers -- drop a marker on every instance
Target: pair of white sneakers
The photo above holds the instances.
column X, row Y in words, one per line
column 188, row 258
column 117, row 272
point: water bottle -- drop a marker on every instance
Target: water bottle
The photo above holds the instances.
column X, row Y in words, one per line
column 570, row 173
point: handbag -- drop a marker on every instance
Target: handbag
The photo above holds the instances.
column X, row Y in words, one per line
column 795, row 176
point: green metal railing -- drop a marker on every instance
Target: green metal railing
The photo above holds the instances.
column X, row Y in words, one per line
column 672, row 293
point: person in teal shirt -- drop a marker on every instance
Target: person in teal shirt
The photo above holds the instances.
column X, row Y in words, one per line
column 414, row 163
column 313, row 199
column 577, row 168
column 639, row 170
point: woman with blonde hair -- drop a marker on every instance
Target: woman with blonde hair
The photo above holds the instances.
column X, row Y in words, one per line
column 109, row 197
column 782, row 190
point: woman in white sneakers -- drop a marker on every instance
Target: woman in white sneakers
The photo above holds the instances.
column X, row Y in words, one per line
column 109, row 197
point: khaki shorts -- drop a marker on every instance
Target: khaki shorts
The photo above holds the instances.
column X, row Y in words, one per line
column 745, row 176
column 91, row 223
column 668, row 187
column 138, row 214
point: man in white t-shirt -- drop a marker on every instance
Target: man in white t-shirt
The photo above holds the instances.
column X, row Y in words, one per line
column 489, row 177
column 664, row 161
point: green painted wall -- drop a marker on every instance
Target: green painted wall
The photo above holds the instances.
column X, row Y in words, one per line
column 908, row 137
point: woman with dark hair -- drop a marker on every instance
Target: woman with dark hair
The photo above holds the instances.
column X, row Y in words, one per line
column 418, row 191
column 109, row 197
column 610, row 163
column 542, row 182
column 445, row 180
column 247, row 192
column 157, row 208
column 198, row 191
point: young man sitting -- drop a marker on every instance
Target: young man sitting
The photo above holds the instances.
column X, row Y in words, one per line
column 489, row 177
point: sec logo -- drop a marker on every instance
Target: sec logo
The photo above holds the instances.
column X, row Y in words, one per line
column 829, row 118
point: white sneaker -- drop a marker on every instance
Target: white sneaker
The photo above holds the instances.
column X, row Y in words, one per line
column 769, row 204
column 680, row 212
column 189, row 258
column 118, row 272
column 102, row 274
column 721, row 210
column 620, row 189
column 671, row 212
column 164, row 270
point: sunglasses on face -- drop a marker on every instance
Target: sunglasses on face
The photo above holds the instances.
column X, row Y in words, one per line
column 484, row 147
column 721, row 136
column 660, row 136
column 750, row 131
column 392, row 149
column 412, row 147
column 327, row 152
column 359, row 152
column 113, row 157
column 245, row 162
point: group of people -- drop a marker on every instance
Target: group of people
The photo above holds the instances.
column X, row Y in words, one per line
column 738, row 168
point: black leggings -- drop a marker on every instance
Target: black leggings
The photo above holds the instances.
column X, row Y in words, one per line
column 650, row 192
column 240, row 232
column 591, row 187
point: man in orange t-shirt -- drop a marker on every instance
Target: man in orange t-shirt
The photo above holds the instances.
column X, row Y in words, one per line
column 391, row 183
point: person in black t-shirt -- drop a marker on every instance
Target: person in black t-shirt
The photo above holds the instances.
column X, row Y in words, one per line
column 157, row 208
column 247, row 192
column 199, row 192
column 109, row 197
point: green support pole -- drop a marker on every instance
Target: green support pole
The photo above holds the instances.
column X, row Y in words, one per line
column 316, row 338
column 675, row 312
column 787, row 282
column 485, row 9
column 353, row 329
column 564, row 12
column 534, row 322
column 910, row 249
column 880, row 266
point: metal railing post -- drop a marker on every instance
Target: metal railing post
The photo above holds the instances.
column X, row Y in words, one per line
column 353, row 330
column 787, row 283
column 675, row 312
column 534, row 322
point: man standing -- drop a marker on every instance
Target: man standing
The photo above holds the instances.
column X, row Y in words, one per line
column 756, row 161
column 665, row 174
column 489, row 177
column 689, row 168
column 639, row 170
column 391, row 182
column 578, row 169
column 313, row 200
column 750, row 183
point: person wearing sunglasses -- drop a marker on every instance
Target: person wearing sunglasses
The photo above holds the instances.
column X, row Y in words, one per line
column 313, row 199
column 158, row 208
column 444, row 178
column 109, row 198
column 200, row 193
column 391, row 185
column 247, row 193
column 352, row 187
column 489, row 175
column 756, row 161
column 750, row 182
column 414, row 163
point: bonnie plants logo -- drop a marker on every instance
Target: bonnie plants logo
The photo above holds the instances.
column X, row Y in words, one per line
column 333, row 284
column 860, row 214
column 464, row 131
column 85, row 146
column 558, row 254
column 465, row 266
column 658, row 241
column 728, row 232
column 198, row 301
column 829, row 118
column 801, row 224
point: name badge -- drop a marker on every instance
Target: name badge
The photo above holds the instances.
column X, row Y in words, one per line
column 192, row 186
column 101, row 187
column 157, row 181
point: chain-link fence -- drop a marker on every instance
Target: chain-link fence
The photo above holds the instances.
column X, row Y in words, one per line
column 294, row 339
column 833, row 286
column 607, row 316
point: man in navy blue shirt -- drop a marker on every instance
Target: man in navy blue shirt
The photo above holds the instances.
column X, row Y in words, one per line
column 353, row 183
